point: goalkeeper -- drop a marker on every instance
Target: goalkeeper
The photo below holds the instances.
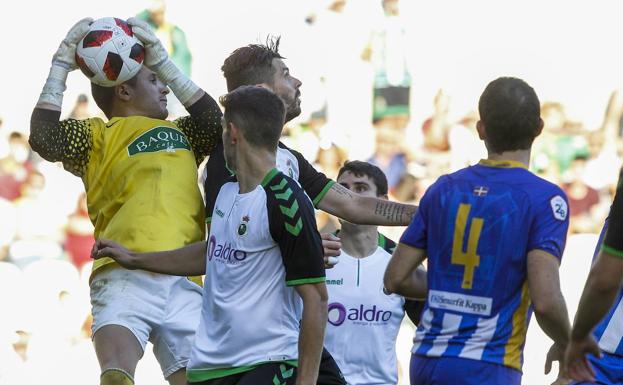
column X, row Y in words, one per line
column 140, row 174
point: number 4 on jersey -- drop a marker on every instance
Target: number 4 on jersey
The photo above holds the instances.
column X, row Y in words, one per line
column 469, row 259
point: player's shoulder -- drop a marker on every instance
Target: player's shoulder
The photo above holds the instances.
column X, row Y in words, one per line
column 545, row 196
column 539, row 188
column 281, row 186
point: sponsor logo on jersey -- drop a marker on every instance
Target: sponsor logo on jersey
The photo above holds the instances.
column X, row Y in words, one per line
column 219, row 212
column 559, row 207
column 363, row 315
column 462, row 303
column 242, row 228
column 337, row 282
column 225, row 253
column 159, row 139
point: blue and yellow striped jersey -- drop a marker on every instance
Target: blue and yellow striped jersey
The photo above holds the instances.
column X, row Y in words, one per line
column 609, row 332
column 477, row 226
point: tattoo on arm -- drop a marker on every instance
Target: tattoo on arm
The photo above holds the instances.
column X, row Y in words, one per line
column 338, row 188
column 394, row 212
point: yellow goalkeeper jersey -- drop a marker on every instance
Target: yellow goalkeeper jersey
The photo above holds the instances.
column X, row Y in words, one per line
column 141, row 183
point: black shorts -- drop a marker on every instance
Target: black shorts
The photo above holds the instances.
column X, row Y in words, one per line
column 328, row 374
column 266, row 374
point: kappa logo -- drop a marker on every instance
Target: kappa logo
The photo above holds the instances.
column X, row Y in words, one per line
column 159, row 139
column 559, row 207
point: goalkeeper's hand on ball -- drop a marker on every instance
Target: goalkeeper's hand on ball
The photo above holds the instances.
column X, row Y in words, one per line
column 63, row 61
column 157, row 59
column 65, row 56
column 155, row 53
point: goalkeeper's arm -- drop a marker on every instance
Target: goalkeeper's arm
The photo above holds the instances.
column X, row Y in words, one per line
column 68, row 141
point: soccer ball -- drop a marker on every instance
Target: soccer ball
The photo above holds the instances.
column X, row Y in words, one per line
column 110, row 54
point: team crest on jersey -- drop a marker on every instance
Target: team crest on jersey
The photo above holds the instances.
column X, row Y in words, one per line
column 559, row 207
column 242, row 228
column 159, row 139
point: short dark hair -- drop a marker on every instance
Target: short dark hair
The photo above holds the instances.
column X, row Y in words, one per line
column 511, row 113
column 251, row 64
column 359, row 168
column 259, row 114
column 104, row 96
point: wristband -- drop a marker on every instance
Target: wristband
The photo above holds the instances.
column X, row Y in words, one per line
column 54, row 86
column 183, row 88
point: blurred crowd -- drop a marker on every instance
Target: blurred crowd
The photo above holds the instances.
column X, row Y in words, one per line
column 46, row 234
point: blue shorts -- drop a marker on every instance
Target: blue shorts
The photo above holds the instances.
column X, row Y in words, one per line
column 460, row 371
column 608, row 370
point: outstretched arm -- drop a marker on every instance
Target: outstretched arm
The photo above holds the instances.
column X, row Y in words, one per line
column 186, row 261
column 68, row 141
column 343, row 203
column 363, row 210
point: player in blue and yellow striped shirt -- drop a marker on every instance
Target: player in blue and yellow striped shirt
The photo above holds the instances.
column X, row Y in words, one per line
column 601, row 305
column 494, row 234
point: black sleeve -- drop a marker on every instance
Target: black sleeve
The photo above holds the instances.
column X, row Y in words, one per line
column 293, row 226
column 202, row 127
column 613, row 242
column 217, row 174
column 315, row 183
column 386, row 244
column 68, row 141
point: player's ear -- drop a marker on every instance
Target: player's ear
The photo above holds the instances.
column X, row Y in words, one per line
column 540, row 128
column 124, row 92
column 234, row 132
column 480, row 127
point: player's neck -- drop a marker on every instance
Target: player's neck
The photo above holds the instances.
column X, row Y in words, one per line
column 252, row 167
column 359, row 241
column 522, row 156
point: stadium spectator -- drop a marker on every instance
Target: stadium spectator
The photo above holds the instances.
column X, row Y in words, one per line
column 79, row 234
column 583, row 199
column 80, row 111
column 386, row 50
column 389, row 156
column 15, row 167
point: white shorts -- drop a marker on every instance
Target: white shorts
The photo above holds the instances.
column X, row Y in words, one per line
column 162, row 309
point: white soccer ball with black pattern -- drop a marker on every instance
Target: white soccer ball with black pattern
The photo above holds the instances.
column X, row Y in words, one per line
column 110, row 54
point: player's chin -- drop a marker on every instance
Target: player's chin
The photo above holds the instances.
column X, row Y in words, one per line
column 293, row 112
column 163, row 113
